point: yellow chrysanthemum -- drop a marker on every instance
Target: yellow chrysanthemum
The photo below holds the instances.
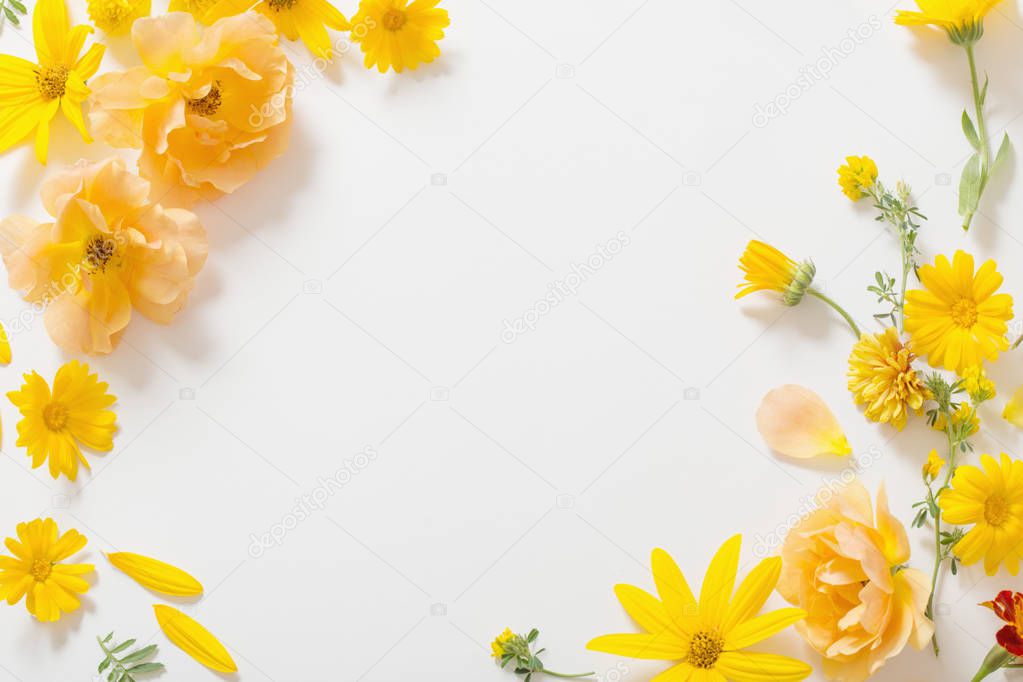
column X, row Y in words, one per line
column 933, row 466
column 398, row 34
column 307, row 20
column 56, row 424
column 991, row 499
column 36, row 572
column 497, row 646
column 707, row 638
column 963, row 20
column 977, row 384
column 766, row 268
column 957, row 320
column 115, row 17
column 857, row 176
column 31, row 94
column 882, row 377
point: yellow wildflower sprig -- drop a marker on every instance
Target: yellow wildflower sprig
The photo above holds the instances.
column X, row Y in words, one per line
column 125, row 668
column 509, row 647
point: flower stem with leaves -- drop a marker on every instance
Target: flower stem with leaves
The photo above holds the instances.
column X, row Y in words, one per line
column 510, row 647
column 125, row 668
column 897, row 210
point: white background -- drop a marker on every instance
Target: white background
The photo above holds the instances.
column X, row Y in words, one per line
column 355, row 297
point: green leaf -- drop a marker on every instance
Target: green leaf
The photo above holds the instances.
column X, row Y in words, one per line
column 122, row 646
column 983, row 91
column 146, row 668
column 105, row 664
column 970, row 131
column 1003, row 152
column 969, row 186
column 16, row 4
column 141, row 654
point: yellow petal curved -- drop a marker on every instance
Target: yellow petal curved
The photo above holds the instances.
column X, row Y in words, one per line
column 650, row 647
column 195, row 640
column 752, row 593
column 5, row 346
column 716, row 592
column 156, row 575
column 760, row 628
column 750, row 667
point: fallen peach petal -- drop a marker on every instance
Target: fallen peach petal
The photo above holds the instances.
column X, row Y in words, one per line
column 795, row 421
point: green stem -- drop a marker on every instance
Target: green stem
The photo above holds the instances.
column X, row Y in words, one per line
column 545, row 671
column 839, row 309
column 938, row 553
column 978, row 106
column 907, row 264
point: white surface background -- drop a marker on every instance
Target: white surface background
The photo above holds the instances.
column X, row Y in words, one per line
column 350, row 302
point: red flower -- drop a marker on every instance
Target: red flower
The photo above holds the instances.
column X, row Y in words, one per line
column 1008, row 606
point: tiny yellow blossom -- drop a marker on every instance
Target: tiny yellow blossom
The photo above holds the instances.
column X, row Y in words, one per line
column 857, row 176
column 497, row 646
column 977, row 384
column 933, row 466
column 964, row 414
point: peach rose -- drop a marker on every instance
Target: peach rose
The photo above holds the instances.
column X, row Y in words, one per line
column 108, row 251
column 208, row 108
column 843, row 566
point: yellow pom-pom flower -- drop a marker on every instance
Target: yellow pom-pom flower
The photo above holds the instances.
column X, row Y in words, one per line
column 957, row 320
column 857, row 176
column 705, row 639
column 766, row 268
column 881, row 376
column 398, row 34
column 31, row 94
column 115, row 17
column 36, row 571
column 963, row 20
column 990, row 498
column 55, row 424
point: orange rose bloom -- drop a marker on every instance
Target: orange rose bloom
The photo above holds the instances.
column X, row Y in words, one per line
column 208, row 108
column 108, row 251
column 839, row 565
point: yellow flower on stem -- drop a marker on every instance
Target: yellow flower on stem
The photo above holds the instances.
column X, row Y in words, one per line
column 882, row 377
column 398, row 34
column 497, row 646
column 55, row 424
column 933, row 466
column 706, row 638
column 36, row 571
column 990, row 498
column 957, row 320
column 115, row 17
column 31, row 94
column 977, row 385
column 964, row 419
column 307, row 20
column 963, row 20
column 857, row 176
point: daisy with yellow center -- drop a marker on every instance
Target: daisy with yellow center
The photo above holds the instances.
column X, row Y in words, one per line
column 35, row 571
column 398, row 34
column 115, row 17
column 31, row 94
column 706, row 638
column 957, row 320
column 307, row 20
column 857, row 176
column 990, row 498
column 882, row 377
column 55, row 424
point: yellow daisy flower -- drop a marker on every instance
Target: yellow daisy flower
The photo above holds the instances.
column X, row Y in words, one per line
column 398, row 34
column 882, row 377
column 307, row 20
column 706, row 638
column 933, row 466
column 991, row 499
column 31, row 94
column 857, row 176
column 766, row 268
column 957, row 320
column 115, row 17
column 56, row 424
column 36, row 572
column 963, row 20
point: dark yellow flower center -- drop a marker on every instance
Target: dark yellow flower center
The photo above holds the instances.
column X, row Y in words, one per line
column 280, row 5
column 52, row 81
column 41, row 570
column 996, row 510
column 704, row 649
column 55, row 416
column 964, row 313
column 210, row 103
column 394, row 19
column 98, row 252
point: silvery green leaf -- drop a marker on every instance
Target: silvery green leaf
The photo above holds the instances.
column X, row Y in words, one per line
column 122, row 646
column 969, row 186
column 139, row 655
column 970, row 131
column 1003, row 151
column 146, row 668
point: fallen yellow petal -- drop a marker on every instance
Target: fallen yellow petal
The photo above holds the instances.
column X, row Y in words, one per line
column 195, row 640
column 5, row 347
column 1013, row 412
column 156, row 575
column 795, row 421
